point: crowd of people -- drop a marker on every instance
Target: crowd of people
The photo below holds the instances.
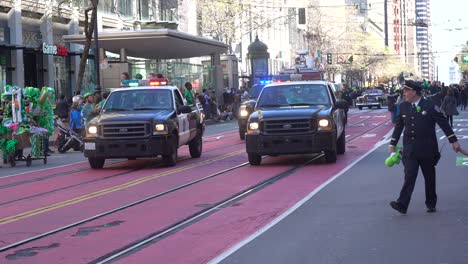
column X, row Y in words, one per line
column 450, row 99
column 446, row 98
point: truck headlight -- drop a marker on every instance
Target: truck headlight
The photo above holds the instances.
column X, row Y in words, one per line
column 243, row 111
column 324, row 124
column 92, row 130
column 253, row 128
column 160, row 129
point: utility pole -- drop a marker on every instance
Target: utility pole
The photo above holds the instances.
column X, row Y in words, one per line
column 97, row 89
column 386, row 22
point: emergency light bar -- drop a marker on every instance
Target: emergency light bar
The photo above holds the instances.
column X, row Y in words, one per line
column 158, row 82
column 130, row 83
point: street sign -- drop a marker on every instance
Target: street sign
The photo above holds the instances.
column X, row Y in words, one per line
column 462, row 161
column 465, row 58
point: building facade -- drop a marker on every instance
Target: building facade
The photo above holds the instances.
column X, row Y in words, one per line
column 424, row 39
column 33, row 53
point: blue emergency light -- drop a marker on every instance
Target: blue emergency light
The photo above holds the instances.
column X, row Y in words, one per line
column 265, row 81
column 130, row 83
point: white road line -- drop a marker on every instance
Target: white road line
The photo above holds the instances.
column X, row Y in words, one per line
column 26, row 172
column 239, row 245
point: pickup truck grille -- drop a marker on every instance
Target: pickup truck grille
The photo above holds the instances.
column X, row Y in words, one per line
column 289, row 126
column 126, row 130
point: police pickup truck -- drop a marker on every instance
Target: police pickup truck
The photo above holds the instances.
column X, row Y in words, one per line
column 146, row 120
column 296, row 117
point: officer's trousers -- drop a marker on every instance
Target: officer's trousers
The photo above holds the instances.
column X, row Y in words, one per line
column 411, row 173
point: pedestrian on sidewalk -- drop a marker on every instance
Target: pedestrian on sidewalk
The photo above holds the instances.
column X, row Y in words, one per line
column 449, row 106
column 75, row 118
column 418, row 117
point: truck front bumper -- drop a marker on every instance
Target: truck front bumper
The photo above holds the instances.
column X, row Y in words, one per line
column 290, row 144
column 128, row 148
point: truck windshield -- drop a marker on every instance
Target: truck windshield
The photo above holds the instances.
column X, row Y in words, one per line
column 294, row 95
column 136, row 99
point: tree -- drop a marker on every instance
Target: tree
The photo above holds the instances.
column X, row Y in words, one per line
column 89, row 24
column 224, row 21
column 464, row 65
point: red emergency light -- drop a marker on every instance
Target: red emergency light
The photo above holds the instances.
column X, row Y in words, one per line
column 158, row 82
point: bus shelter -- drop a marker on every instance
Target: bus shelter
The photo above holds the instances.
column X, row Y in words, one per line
column 159, row 44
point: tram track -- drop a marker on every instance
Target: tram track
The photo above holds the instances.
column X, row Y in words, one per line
column 185, row 221
column 161, row 234
column 60, row 174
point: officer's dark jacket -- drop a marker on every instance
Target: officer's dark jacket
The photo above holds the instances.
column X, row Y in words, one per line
column 419, row 137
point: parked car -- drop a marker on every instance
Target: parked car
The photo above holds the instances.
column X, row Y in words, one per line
column 370, row 98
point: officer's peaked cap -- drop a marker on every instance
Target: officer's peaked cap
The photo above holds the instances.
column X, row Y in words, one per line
column 412, row 85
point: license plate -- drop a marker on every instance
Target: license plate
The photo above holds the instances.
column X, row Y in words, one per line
column 90, row 146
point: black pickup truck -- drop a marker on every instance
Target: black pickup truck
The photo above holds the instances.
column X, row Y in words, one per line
column 143, row 122
column 296, row 118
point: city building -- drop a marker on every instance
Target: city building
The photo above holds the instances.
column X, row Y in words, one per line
column 33, row 52
column 424, row 39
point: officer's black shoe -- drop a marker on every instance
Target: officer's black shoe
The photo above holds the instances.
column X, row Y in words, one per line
column 397, row 206
column 50, row 151
column 431, row 210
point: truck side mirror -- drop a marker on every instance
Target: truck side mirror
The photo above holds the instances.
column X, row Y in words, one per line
column 185, row 109
column 341, row 104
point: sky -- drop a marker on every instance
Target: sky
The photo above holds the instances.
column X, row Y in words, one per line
column 447, row 41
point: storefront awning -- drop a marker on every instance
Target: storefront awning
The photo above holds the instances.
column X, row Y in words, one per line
column 154, row 43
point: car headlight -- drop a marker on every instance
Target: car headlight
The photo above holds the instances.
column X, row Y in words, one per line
column 159, row 129
column 253, row 128
column 324, row 124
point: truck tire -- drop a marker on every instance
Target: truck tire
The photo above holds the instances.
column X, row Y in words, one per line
column 341, row 143
column 242, row 133
column 360, row 107
column 330, row 156
column 254, row 159
column 170, row 159
column 96, row 163
column 196, row 146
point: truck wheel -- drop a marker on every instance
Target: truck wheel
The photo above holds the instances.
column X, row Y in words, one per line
column 96, row 163
column 170, row 159
column 330, row 156
column 254, row 159
column 242, row 133
column 379, row 106
column 196, row 146
column 360, row 107
column 341, row 143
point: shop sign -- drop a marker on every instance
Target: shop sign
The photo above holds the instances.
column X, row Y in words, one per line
column 58, row 50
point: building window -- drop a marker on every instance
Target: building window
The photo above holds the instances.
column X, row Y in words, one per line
column 168, row 10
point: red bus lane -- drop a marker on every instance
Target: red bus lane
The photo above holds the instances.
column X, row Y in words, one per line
column 22, row 219
column 222, row 230
column 55, row 181
column 136, row 222
column 153, row 215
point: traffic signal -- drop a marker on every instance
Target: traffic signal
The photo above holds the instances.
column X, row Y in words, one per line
column 329, row 58
column 302, row 18
column 351, row 58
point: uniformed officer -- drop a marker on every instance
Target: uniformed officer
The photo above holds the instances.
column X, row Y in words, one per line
column 418, row 117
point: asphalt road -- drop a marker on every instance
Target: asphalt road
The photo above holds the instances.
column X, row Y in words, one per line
column 350, row 220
